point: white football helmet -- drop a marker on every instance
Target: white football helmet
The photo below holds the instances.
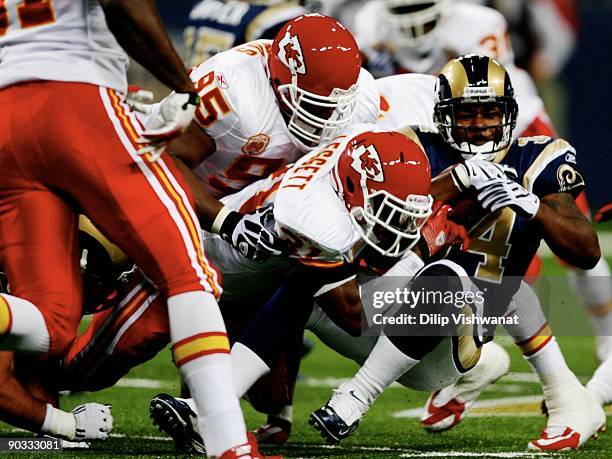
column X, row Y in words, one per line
column 414, row 23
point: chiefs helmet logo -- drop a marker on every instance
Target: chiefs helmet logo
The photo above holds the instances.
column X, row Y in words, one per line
column 256, row 144
column 290, row 53
column 568, row 178
column 367, row 162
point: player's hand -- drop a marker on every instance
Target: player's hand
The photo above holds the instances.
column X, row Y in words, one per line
column 475, row 173
column 249, row 234
column 140, row 100
column 439, row 232
column 604, row 214
column 166, row 121
column 509, row 194
column 93, row 421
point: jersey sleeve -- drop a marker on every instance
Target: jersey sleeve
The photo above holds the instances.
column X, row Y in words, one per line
column 554, row 170
column 368, row 101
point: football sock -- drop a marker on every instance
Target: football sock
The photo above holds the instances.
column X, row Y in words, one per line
column 247, row 368
column 202, row 354
column 60, row 423
column 385, row 364
column 543, row 353
column 600, row 384
column 22, row 326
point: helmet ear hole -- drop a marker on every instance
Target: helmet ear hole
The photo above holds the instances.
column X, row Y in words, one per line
column 350, row 185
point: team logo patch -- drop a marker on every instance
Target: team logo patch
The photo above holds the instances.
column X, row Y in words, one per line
column 221, row 80
column 367, row 162
column 569, row 178
column 290, row 53
column 256, row 144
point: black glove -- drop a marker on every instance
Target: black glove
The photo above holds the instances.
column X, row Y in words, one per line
column 249, row 235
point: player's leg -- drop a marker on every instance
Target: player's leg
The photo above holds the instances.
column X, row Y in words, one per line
column 573, row 415
column 392, row 356
column 600, row 385
column 142, row 205
column 39, row 255
column 118, row 339
column 594, row 288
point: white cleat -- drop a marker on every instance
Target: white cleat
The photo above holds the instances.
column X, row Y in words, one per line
column 572, row 423
column 447, row 407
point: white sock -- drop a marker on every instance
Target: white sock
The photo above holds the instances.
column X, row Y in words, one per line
column 59, row 423
column 548, row 359
column 600, row 384
column 247, row 368
column 22, row 326
column 385, row 364
column 201, row 351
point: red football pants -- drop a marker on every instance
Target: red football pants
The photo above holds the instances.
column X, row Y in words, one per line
column 67, row 148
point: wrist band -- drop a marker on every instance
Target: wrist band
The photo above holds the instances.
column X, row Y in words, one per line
column 219, row 219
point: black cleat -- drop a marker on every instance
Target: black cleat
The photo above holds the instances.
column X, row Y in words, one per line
column 332, row 428
column 175, row 418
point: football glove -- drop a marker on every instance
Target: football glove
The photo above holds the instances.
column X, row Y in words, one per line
column 93, row 421
column 439, row 232
column 140, row 100
column 248, row 233
column 509, row 194
column 475, row 173
column 166, row 121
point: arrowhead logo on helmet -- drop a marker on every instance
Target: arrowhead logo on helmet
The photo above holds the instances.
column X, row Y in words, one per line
column 290, row 53
column 366, row 161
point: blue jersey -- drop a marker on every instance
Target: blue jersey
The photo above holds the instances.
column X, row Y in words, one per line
column 502, row 244
column 218, row 25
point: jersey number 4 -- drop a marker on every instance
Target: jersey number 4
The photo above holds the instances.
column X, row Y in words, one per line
column 31, row 13
column 491, row 238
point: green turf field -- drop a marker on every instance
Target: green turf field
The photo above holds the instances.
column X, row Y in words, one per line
column 500, row 427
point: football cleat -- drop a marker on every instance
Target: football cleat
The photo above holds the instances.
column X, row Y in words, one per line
column 177, row 419
column 275, row 432
column 572, row 420
column 339, row 418
column 447, row 407
column 250, row 450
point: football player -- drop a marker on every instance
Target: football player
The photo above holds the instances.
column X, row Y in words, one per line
column 215, row 26
column 60, row 60
column 136, row 328
column 263, row 105
column 475, row 113
column 420, row 36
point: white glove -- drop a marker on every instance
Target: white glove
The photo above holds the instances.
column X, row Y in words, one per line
column 140, row 100
column 93, row 421
column 167, row 120
column 248, row 232
column 509, row 194
column 476, row 173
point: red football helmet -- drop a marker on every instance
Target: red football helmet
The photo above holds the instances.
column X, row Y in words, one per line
column 314, row 66
column 384, row 180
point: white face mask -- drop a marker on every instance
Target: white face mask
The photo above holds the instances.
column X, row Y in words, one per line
column 309, row 130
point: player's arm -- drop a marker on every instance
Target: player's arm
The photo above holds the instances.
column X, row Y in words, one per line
column 138, row 28
column 24, row 404
column 567, row 231
column 188, row 152
column 342, row 304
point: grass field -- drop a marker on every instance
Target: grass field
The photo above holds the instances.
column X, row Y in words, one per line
column 500, row 427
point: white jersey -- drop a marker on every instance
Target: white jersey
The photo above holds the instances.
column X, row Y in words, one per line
column 308, row 212
column 239, row 111
column 406, row 99
column 409, row 99
column 59, row 40
column 466, row 28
